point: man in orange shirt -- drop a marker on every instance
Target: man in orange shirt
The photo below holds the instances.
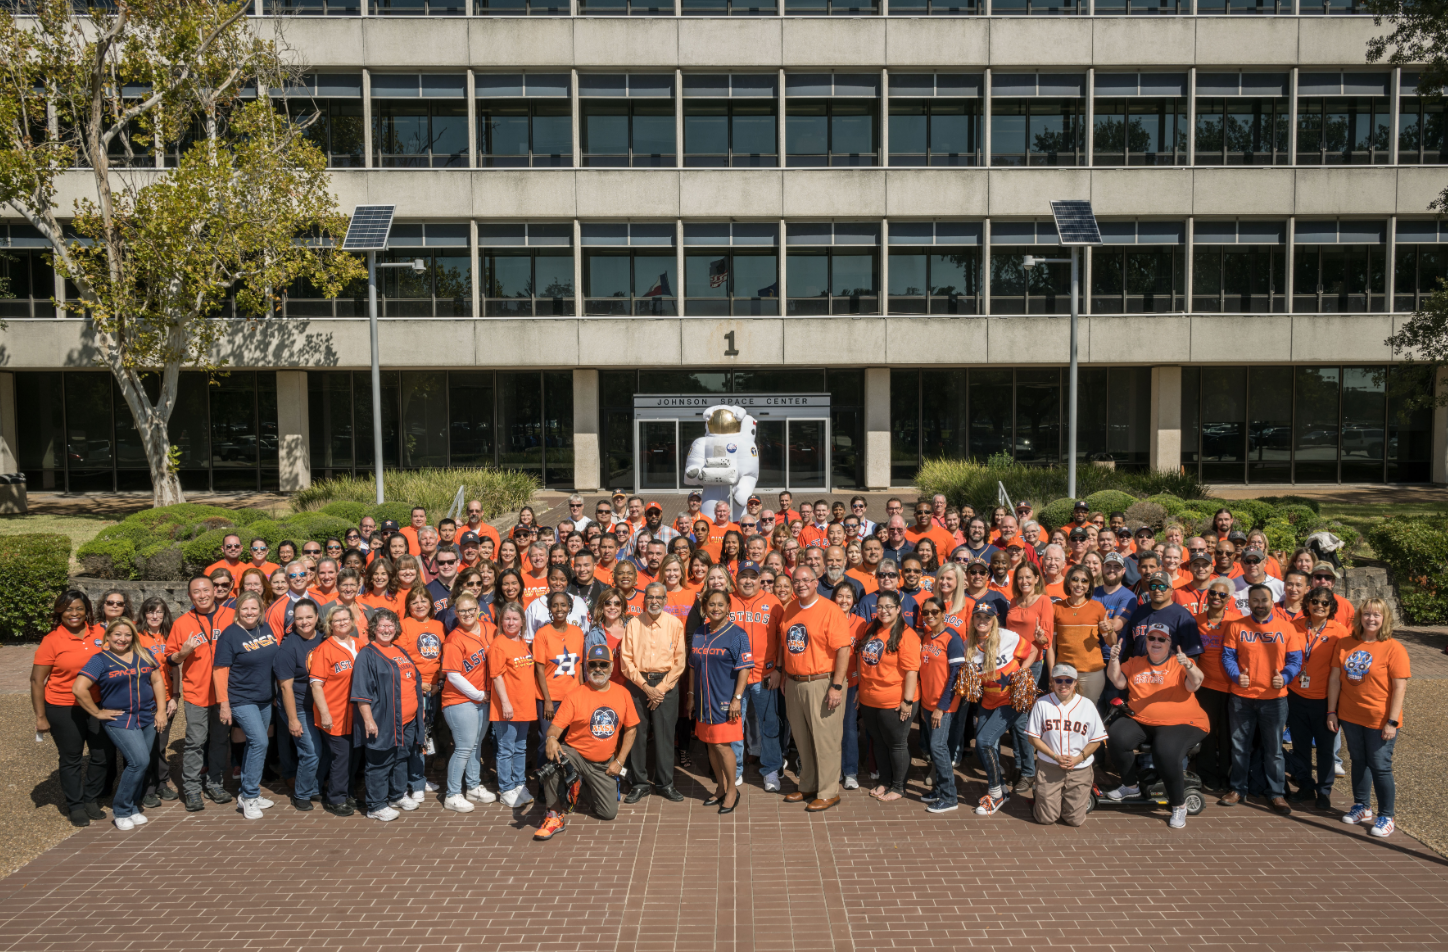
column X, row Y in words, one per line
column 419, row 519
column 759, row 614
column 259, row 550
column 230, row 558
column 190, row 647
column 1261, row 653
column 720, row 525
column 924, row 528
column 477, row 525
column 814, row 656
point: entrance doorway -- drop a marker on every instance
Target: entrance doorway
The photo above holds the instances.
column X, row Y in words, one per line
column 793, row 438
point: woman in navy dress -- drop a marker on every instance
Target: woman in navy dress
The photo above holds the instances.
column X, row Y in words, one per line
column 719, row 664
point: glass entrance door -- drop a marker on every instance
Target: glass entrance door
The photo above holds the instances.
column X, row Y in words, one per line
column 660, row 459
column 809, row 454
column 794, row 453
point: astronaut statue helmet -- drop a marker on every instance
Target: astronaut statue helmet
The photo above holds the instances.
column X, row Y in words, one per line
column 723, row 420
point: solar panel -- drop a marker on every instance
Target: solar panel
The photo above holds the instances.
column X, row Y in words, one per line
column 369, row 229
column 1076, row 223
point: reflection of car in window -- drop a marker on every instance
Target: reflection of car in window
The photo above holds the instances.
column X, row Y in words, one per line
column 1363, row 441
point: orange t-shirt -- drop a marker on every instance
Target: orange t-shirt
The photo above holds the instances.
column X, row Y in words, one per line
column 407, row 671
column 534, row 587
column 1214, row 676
column 512, row 660
column 235, row 568
column 813, row 535
column 267, row 568
column 716, row 536
column 409, row 533
column 1078, row 637
column 157, row 647
column 423, row 641
column 812, row 636
column 484, row 531
column 466, row 655
column 857, row 628
column 882, row 673
column 322, row 598
column 866, row 579
column 329, row 667
column 561, row 655
column 196, row 684
column 935, row 669
column 392, row 603
column 679, row 603
column 1262, row 649
column 1056, row 591
column 594, row 721
column 1158, row 694
column 1318, row 650
column 604, row 573
column 1368, row 669
column 67, row 654
column 1023, row 620
column 759, row 618
column 944, row 541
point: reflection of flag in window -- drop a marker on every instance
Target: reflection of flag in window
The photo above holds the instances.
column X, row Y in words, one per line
column 770, row 292
column 660, row 288
column 718, row 272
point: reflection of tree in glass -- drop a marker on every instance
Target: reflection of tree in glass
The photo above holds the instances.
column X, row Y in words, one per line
column 1117, row 136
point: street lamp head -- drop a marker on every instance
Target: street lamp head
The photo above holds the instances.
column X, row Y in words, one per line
column 1030, row 261
column 418, row 266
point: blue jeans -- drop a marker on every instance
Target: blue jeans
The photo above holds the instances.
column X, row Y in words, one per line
column 416, row 778
column 512, row 737
column 1025, row 753
column 135, row 745
column 303, row 758
column 386, row 770
column 469, row 725
column 761, row 719
column 937, row 740
column 1307, row 720
column 1370, row 755
column 850, row 754
column 253, row 719
column 989, row 729
column 964, row 719
column 1264, row 718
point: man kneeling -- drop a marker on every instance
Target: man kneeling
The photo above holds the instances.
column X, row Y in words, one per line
column 588, row 741
column 1065, row 730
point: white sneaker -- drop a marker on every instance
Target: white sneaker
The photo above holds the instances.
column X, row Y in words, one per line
column 852, row 782
column 482, row 794
column 263, row 802
column 771, row 783
column 430, row 787
column 458, row 804
column 739, row 780
column 250, row 808
column 1338, row 770
column 124, row 823
column 1178, row 819
column 385, row 814
column 1122, row 792
column 139, row 819
column 405, row 803
column 509, row 797
column 522, row 797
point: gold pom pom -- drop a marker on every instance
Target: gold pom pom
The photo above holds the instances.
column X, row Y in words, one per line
column 1023, row 690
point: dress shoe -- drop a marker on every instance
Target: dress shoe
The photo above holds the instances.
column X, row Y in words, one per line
column 636, row 793
column 798, row 796
column 819, row 806
column 94, row 811
column 1230, row 799
column 713, row 801
column 670, row 793
column 738, row 802
column 1280, row 806
column 1302, row 793
column 1324, row 801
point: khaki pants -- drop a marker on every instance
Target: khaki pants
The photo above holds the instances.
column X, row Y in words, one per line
column 602, row 789
column 818, row 733
column 1062, row 794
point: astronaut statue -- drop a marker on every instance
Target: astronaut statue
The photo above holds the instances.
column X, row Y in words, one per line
column 725, row 460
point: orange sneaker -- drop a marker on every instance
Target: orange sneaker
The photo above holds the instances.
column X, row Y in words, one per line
column 552, row 825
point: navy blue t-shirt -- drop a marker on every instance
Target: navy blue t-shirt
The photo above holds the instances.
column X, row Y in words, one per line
column 908, row 607
column 124, row 687
column 291, row 662
column 441, row 596
column 250, row 656
column 1173, row 619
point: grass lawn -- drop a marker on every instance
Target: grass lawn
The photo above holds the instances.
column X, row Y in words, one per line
column 80, row 527
column 1363, row 517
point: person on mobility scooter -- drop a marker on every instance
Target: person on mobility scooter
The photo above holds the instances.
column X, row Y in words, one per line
column 1160, row 721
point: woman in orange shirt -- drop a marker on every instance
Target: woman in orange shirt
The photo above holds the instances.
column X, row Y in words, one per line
column 680, row 600
column 329, row 668
column 254, row 580
column 684, row 549
column 1214, row 763
column 1078, row 622
column 349, row 586
column 379, row 586
column 731, row 550
column 514, row 703
column 422, row 637
column 508, row 589
column 1307, row 698
column 697, row 571
column 508, row 556
column 1365, row 691
column 464, row 701
column 889, row 668
column 58, row 659
column 409, row 572
column 558, row 648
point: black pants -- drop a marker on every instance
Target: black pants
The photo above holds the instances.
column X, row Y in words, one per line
column 1307, row 720
column 82, row 778
column 657, row 724
column 339, row 774
column 1168, row 745
column 889, row 735
column 1214, row 763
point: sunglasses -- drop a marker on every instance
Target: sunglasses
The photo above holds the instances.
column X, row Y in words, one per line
column 931, row 612
column 447, row 561
column 111, row 604
column 1321, row 603
column 232, row 545
column 311, row 552
column 977, row 571
column 599, row 665
column 1324, row 578
column 1159, row 587
column 748, row 525
column 575, row 505
column 1252, row 561
column 1158, row 641
column 258, row 548
column 296, row 575
column 1063, row 680
column 1217, row 595
column 887, row 574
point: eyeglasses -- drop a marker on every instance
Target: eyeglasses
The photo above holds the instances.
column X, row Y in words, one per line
column 475, row 512
column 447, row 561
column 467, row 611
column 296, row 575
column 599, row 665
column 978, row 570
column 231, row 545
column 111, row 604
column 913, row 571
column 1157, row 641
column 1063, row 680
column 1320, row 602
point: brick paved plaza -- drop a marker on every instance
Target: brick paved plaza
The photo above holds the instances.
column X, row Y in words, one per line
column 677, row 876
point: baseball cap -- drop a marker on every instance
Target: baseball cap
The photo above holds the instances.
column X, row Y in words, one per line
column 1236, row 535
column 1254, row 551
column 1080, row 534
column 600, row 653
column 1064, row 671
column 1200, row 557
column 696, row 495
column 652, row 506
column 1144, row 530
column 753, row 499
column 984, row 608
column 1081, row 504
column 1113, row 558
column 390, row 524
column 1324, row 567
column 747, row 566
column 1023, row 506
column 1162, row 577
column 468, row 538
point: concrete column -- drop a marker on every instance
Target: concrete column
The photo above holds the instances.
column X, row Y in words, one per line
column 1395, row 108
column 366, row 110
column 984, row 309
column 475, row 266
column 577, row 121
column 9, row 433
column 577, row 267
column 1292, row 119
column 877, row 427
column 780, row 99
column 678, row 118
column 985, row 111
column 1090, row 130
column 471, row 91
column 1440, row 429
column 885, row 266
column 884, row 148
column 587, row 455
column 1192, row 112
column 1166, row 419
column 294, row 434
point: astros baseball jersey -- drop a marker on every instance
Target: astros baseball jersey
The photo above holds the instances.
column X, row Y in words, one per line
column 1066, row 728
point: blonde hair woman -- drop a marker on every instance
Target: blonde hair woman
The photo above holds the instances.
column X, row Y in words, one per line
column 950, row 587
column 995, row 654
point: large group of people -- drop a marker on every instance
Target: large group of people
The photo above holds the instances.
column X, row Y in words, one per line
column 581, row 661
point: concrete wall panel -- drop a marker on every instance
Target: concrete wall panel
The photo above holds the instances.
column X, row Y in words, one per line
column 730, row 42
column 919, row 341
column 1032, row 41
column 937, row 41
column 609, row 342
column 1034, row 340
column 495, row 42
column 1031, row 191
column 420, row 193
column 1336, row 336
column 1235, row 339
column 509, row 193
column 321, row 41
column 1345, row 191
column 758, row 340
column 1334, row 41
column 626, row 42
column 832, row 340
column 1257, row 191
column 925, row 193
column 1143, row 41
column 533, row 343
column 1158, row 337
column 1417, row 187
column 727, row 193
column 628, row 193
column 433, row 43
column 851, row 193
column 843, row 43
column 1246, row 41
column 1142, row 191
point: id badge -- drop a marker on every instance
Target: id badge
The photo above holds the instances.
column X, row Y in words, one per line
column 1305, row 681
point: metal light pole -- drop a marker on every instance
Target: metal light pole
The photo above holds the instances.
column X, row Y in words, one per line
column 377, row 374
column 1029, row 262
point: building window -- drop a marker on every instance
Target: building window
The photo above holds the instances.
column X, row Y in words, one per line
column 1114, row 422
column 524, row 120
column 1338, row 266
column 731, row 269
column 1333, row 8
column 1140, row 119
column 1242, row 118
column 630, row 269
column 1421, row 131
column 832, row 268
column 1140, row 270
column 331, row 105
column 315, row 8
column 832, row 120
column 442, row 289
column 934, row 268
column 1343, row 118
column 725, row 8
column 1239, row 267
column 1420, row 265
column 1037, row 119
column 514, row 8
column 527, row 270
column 1016, row 289
column 731, row 121
column 943, row 129
column 919, row 8
column 1248, row 7
column 419, row 121
column 627, row 120
column 1037, row 8
column 27, row 281
column 623, row 8
column 837, row 8
column 1143, row 7
column 418, row 8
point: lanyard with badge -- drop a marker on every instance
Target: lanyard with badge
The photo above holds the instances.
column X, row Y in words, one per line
column 1314, row 638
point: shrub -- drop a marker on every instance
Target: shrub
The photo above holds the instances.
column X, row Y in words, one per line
column 1304, row 519
column 1282, row 502
column 1416, row 550
column 353, row 512
column 34, row 569
column 1281, row 535
column 1261, row 511
column 113, row 557
column 966, row 483
column 186, row 513
column 1110, row 500
column 1172, row 504
column 206, row 548
column 434, row 489
column 401, row 512
column 1057, row 514
column 1146, row 513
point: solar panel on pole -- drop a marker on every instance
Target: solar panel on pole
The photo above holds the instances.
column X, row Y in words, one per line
column 370, row 227
column 1076, row 222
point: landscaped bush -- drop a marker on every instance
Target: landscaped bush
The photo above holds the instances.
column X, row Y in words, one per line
column 34, row 569
column 1416, row 550
column 1056, row 514
column 1172, row 504
column 966, row 483
column 1146, row 513
column 434, row 489
column 1110, row 500
column 1281, row 502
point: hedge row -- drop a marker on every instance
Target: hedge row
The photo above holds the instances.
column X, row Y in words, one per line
column 964, row 482
column 34, row 570
column 499, row 490
column 1416, row 551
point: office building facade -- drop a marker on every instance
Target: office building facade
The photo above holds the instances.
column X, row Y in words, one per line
column 627, row 210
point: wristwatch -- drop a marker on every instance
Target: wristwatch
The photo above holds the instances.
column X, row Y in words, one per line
column 738, row 697
column 836, row 687
column 1392, row 723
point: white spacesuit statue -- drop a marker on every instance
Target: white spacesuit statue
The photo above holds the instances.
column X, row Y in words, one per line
column 725, row 460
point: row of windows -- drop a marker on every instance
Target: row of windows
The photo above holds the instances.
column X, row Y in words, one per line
column 414, row 8
column 744, row 133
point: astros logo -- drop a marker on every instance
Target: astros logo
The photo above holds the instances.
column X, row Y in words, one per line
column 873, row 650
column 604, row 723
column 797, row 639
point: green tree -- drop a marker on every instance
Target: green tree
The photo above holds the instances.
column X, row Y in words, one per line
column 156, row 253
